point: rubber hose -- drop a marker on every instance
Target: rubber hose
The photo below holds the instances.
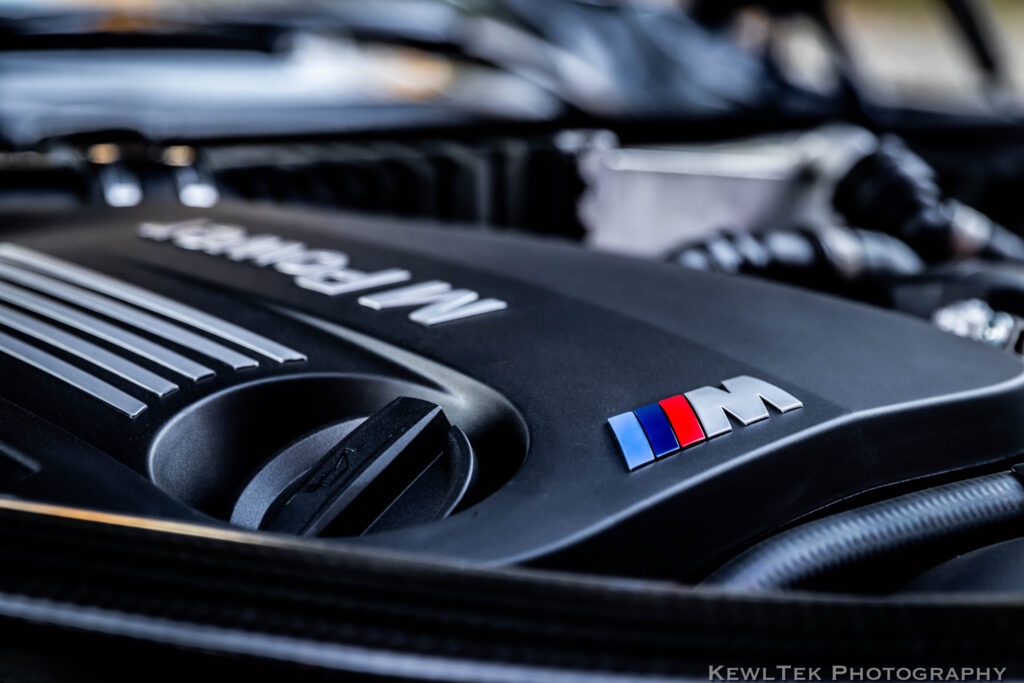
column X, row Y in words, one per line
column 943, row 517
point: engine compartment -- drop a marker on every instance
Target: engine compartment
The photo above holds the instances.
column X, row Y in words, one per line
column 511, row 340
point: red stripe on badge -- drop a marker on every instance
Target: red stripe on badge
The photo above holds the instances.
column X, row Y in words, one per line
column 684, row 422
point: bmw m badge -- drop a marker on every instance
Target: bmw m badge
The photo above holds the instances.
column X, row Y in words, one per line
column 675, row 423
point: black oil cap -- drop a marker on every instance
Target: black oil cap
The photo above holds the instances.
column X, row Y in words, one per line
column 405, row 464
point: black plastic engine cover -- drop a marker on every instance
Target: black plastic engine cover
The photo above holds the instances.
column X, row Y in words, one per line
column 584, row 337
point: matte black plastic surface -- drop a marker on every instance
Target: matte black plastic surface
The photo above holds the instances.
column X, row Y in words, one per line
column 585, row 336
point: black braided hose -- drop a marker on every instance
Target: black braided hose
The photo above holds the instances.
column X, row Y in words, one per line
column 944, row 518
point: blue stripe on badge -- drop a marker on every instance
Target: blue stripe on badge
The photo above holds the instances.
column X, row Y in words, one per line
column 632, row 440
column 658, row 429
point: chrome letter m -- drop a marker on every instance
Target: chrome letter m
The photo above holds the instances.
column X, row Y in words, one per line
column 744, row 398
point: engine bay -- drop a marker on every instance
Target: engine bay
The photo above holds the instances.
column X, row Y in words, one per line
column 588, row 301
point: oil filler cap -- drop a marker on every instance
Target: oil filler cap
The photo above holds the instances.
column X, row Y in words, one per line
column 403, row 465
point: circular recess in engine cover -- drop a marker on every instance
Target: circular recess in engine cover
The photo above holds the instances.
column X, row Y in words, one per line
column 336, row 454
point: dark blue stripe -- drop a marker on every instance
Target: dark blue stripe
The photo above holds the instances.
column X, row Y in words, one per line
column 631, row 440
column 659, row 431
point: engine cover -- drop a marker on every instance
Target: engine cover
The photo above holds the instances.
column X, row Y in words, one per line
column 624, row 416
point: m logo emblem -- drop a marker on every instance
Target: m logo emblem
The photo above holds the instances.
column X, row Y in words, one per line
column 672, row 424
